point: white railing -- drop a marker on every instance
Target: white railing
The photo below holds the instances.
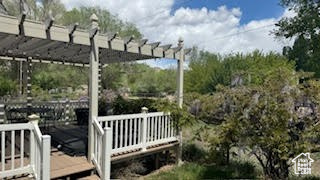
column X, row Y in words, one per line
column 121, row 133
column 139, row 131
column 102, row 142
column 24, row 150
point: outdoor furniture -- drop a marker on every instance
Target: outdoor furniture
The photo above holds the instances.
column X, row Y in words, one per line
column 82, row 115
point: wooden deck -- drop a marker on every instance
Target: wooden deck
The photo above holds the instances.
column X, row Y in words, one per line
column 63, row 165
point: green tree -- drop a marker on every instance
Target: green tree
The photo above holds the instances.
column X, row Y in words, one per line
column 37, row 10
column 107, row 21
column 304, row 29
column 266, row 119
column 208, row 70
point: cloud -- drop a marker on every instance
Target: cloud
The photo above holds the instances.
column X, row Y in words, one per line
column 216, row 30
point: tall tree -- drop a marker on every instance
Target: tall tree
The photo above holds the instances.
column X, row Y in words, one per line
column 36, row 9
column 208, row 70
column 107, row 21
column 304, row 28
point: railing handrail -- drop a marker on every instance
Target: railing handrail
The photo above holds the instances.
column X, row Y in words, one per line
column 37, row 133
column 127, row 116
column 98, row 126
column 17, row 126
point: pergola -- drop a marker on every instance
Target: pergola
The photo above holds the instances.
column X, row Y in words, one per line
column 31, row 41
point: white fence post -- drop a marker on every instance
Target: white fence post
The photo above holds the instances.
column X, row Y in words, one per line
column 144, row 111
column 45, row 154
column 106, row 153
column 33, row 119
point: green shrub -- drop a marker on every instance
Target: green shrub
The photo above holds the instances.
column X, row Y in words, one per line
column 243, row 170
column 7, row 86
column 123, row 106
column 193, row 153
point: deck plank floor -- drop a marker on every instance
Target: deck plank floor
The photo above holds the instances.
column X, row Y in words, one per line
column 63, row 165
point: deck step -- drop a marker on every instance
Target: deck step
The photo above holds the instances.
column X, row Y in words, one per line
column 92, row 177
column 63, row 165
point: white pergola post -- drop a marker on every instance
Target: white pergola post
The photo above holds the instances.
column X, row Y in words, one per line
column 93, row 82
column 180, row 62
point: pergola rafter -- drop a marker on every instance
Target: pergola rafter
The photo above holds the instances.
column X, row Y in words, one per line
column 23, row 38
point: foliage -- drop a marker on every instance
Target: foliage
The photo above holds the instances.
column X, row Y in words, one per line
column 7, row 86
column 107, row 22
column 180, row 116
column 234, row 170
column 265, row 118
column 142, row 79
column 303, row 27
column 50, row 76
column 209, row 70
column 192, row 153
column 123, row 106
column 37, row 9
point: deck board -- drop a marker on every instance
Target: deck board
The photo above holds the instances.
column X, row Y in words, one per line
column 63, row 165
column 92, row 177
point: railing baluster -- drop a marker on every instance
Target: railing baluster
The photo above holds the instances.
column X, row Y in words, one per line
column 135, row 131
column 159, row 127
column 116, row 136
column 97, row 148
column 130, row 131
column 126, row 133
column 172, row 127
column 32, row 149
column 111, row 126
column 21, row 148
column 3, row 149
column 163, row 126
column 39, row 160
column 95, row 143
column 156, row 128
column 152, row 129
column 12, row 148
column 121, row 133
column 148, row 130
column 169, row 126
column 139, row 130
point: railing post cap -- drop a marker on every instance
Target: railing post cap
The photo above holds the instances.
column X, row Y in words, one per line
column 144, row 109
column 33, row 118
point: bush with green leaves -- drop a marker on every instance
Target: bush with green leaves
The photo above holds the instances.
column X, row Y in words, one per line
column 207, row 70
column 266, row 119
column 7, row 86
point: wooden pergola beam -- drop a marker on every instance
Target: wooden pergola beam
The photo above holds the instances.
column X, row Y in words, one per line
column 5, row 58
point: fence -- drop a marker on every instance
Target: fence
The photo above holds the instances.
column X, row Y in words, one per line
column 62, row 111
